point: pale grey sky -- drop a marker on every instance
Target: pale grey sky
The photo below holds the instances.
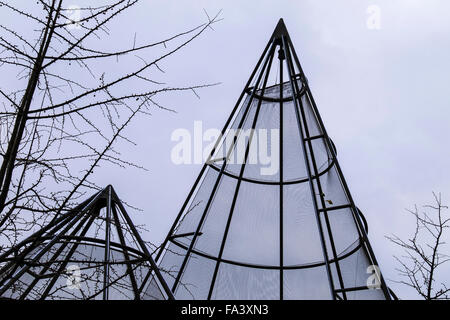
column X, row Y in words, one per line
column 383, row 96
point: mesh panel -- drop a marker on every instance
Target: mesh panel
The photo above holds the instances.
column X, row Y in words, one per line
column 265, row 145
column 214, row 226
column 349, row 265
column 153, row 291
column 195, row 210
column 196, row 281
column 294, row 164
column 343, row 230
column 254, row 230
column 301, row 235
column 306, row 284
column 171, row 263
column 239, row 129
column 369, row 294
column 332, row 190
column 311, row 119
column 236, row 282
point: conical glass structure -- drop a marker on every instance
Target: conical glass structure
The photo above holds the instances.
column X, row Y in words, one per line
column 92, row 252
column 270, row 215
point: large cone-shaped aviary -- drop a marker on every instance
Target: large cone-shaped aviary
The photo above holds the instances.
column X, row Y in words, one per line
column 270, row 215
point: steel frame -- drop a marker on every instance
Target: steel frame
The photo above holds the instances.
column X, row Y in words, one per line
column 67, row 233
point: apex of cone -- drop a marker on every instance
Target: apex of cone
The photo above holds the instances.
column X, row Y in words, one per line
column 280, row 29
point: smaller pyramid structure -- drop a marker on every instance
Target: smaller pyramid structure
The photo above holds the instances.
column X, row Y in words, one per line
column 92, row 252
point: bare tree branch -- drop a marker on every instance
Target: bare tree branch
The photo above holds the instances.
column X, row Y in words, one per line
column 424, row 252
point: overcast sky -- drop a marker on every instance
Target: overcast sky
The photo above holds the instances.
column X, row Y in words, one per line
column 382, row 93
